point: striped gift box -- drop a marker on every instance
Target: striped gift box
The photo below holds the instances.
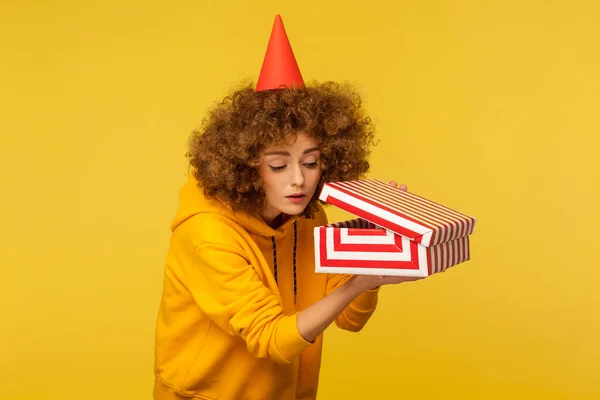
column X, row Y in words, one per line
column 397, row 233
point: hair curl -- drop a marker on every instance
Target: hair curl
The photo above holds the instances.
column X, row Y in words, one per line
column 225, row 149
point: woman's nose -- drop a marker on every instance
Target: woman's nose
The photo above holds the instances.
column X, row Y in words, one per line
column 297, row 177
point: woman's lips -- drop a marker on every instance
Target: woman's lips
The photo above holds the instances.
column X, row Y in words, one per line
column 296, row 198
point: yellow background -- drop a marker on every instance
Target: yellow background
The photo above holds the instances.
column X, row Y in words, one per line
column 490, row 107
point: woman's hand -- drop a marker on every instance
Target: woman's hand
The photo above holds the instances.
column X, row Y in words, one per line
column 402, row 186
column 370, row 282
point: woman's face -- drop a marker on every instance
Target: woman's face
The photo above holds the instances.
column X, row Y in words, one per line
column 290, row 175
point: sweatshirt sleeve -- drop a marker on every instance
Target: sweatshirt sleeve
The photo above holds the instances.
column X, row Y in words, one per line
column 229, row 291
column 355, row 316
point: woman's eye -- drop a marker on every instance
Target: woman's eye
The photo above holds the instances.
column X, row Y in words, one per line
column 276, row 168
column 312, row 164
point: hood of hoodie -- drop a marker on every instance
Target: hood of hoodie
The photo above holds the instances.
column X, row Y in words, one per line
column 192, row 202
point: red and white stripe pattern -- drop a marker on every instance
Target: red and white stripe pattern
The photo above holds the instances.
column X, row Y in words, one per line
column 414, row 217
column 446, row 255
column 359, row 247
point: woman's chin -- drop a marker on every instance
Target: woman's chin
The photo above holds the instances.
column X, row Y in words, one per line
column 294, row 209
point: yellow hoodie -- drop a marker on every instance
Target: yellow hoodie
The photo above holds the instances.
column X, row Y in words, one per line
column 233, row 287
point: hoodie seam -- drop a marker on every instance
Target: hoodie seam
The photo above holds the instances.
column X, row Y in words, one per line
column 210, row 322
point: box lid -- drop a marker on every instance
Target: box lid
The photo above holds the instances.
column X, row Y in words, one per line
column 407, row 214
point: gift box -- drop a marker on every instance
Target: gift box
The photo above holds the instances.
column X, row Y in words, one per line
column 396, row 233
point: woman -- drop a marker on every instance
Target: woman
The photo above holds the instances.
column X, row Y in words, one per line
column 243, row 312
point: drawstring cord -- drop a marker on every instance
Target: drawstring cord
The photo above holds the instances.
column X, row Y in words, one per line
column 293, row 259
column 274, row 258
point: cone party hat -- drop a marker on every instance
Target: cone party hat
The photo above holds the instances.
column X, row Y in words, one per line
column 279, row 68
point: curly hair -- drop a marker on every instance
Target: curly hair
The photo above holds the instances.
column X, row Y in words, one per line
column 224, row 151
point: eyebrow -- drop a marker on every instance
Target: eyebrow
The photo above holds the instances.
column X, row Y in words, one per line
column 285, row 153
